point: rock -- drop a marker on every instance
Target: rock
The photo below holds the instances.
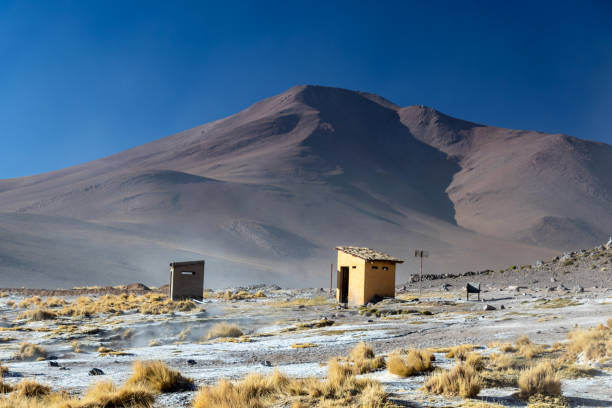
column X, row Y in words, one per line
column 53, row 364
column 552, row 289
column 96, row 371
column 539, row 264
column 609, row 244
column 553, row 280
column 488, row 307
column 266, row 363
column 502, row 307
column 137, row 286
column 512, row 288
column 370, row 321
column 578, row 289
column 191, row 362
column 445, row 287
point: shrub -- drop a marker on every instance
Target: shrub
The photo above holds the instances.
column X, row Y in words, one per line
column 539, row 380
column 502, row 361
column 29, row 352
column 373, row 396
column 223, row 330
column 460, row 352
column 5, row 387
column 527, row 348
column 507, row 348
column 461, row 380
column 106, row 395
column 158, row 377
column 413, row 363
column 475, row 361
column 37, row 315
column 31, row 389
column 364, row 360
column 595, row 343
column 341, row 388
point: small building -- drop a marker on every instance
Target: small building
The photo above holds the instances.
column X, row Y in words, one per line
column 186, row 280
column 363, row 274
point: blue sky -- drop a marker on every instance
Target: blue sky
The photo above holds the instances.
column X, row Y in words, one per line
column 80, row 80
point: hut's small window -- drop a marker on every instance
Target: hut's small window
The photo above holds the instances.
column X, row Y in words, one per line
column 187, row 273
column 354, row 267
column 385, row 268
column 375, row 267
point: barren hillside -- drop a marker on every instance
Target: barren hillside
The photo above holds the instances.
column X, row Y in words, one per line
column 264, row 195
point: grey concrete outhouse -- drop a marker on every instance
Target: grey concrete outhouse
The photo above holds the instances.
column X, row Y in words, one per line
column 186, row 280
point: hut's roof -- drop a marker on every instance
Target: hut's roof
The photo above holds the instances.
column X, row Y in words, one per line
column 368, row 254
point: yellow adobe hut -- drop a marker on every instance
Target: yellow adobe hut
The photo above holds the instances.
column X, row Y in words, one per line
column 364, row 273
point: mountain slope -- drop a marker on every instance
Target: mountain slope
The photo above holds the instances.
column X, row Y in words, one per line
column 266, row 193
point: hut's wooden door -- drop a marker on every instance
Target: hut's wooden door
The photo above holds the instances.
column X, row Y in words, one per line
column 344, row 284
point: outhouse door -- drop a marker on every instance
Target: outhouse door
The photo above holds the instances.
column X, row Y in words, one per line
column 344, row 284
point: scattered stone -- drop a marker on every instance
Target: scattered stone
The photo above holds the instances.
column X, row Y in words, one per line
column 489, row 307
column 53, row 364
column 96, row 371
column 553, row 280
column 266, row 363
column 191, row 362
column 578, row 289
column 445, row 287
column 552, row 288
column 502, row 307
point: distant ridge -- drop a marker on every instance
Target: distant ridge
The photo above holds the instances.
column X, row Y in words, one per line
column 267, row 193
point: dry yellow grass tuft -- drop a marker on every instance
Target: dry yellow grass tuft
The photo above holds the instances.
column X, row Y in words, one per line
column 475, row 361
column 76, row 347
column 340, row 389
column 182, row 336
column 413, row 362
column 499, row 361
column 223, row 330
column 594, row 343
column 4, row 387
column 539, row 380
column 527, row 348
column 461, row 380
column 151, row 303
column 37, row 315
column 507, row 348
column 315, row 301
column 158, row 377
column 460, row 352
column 29, row 352
column 31, row 389
column 303, row 345
column 241, row 295
column 106, row 395
column 364, row 360
column 373, row 396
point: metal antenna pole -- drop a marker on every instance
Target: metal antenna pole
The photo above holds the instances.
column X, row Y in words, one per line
column 331, row 274
column 421, row 275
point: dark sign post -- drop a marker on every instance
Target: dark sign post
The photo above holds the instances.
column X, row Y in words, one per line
column 419, row 253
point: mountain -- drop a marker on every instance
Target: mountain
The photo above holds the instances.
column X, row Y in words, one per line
column 266, row 194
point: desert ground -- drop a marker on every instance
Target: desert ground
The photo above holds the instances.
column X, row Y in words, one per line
column 523, row 344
